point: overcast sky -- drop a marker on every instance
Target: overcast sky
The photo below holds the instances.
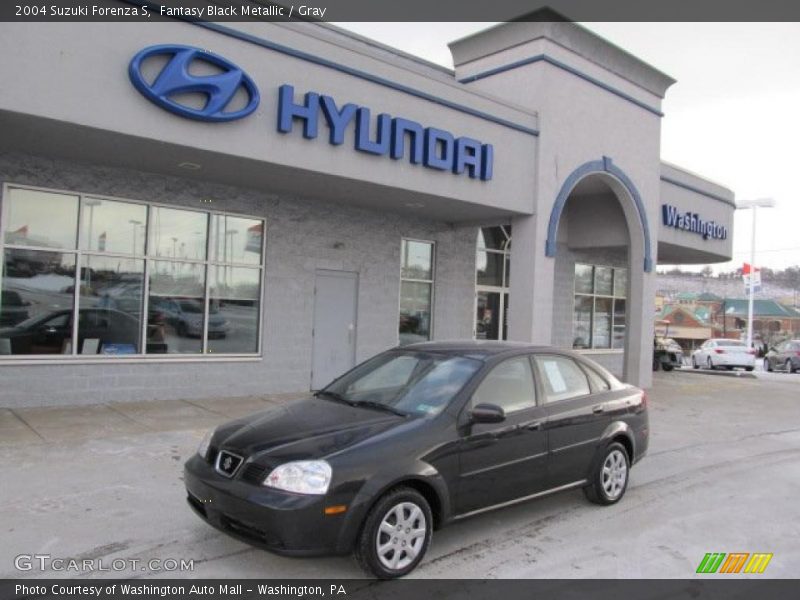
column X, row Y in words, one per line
column 733, row 116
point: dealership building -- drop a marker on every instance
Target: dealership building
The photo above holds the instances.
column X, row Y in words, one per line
column 195, row 209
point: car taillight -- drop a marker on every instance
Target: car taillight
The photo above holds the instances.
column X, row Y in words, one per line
column 719, row 351
column 798, row 353
column 753, row 352
column 644, row 399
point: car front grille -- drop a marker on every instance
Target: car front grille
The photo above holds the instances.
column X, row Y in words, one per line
column 254, row 473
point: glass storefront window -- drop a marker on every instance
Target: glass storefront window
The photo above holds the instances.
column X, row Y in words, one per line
column 236, row 240
column 492, row 280
column 584, row 279
column 42, row 219
column 490, row 268
column 416, row 291
column 139, row 272
column 582, row 322
column 177, row 233
column 487, row 318
column 494, row 238
column 110, row 306
column 111, row 226
column 601, row 332
column 415, row 312
column 38, row 292
column 618, row 341
column 177, row 305
column 417, row 260
column 599, row 307
column 234, row 310
column 603, row 281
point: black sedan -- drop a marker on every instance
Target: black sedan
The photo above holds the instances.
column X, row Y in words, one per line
column 412, row 439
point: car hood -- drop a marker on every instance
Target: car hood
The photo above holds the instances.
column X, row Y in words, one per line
column 305, row 429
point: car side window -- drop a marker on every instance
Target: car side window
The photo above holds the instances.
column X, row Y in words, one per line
column 509, row 385
column 597, row 382
column 562, row 378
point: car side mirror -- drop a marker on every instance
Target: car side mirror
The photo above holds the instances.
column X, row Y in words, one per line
column 487, row 413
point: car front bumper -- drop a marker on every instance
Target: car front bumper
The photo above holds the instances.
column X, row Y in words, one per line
column 282, row 522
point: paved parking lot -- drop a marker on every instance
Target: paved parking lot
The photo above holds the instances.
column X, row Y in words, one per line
column 722, row 475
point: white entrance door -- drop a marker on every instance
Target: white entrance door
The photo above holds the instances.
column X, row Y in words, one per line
column 334, row 343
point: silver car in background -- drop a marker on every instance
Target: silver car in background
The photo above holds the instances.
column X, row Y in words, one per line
column 724, row 353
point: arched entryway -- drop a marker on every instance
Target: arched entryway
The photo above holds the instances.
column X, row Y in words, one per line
column 599, row 238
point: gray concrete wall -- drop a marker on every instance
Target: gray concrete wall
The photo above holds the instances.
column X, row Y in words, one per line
column 301, row 234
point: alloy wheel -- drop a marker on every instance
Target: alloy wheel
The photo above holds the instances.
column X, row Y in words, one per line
column 614, row 474
column 401, row 535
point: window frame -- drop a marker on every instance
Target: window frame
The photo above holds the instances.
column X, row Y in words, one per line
column 614, row 297
column 78, row 253
column 503, row 290
column 431, row 282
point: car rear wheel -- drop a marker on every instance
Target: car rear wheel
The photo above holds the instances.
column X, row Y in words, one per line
column 789, row 366
column 396, row 534
column 610, row 476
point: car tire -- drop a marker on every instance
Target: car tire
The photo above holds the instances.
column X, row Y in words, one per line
column 709, row 364
column 789, row 366
column 694, row 363
column 667, row 367
column 748, row 369
column 767, row 365
column 405, row 551
column 609, row 478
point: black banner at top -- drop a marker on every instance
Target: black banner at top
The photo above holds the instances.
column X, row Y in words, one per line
column 147, row 11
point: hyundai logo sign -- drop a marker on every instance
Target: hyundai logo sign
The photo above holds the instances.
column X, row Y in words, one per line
column 381, row 135
column 175, row 79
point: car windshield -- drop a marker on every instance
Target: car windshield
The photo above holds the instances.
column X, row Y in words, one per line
column 419, row 383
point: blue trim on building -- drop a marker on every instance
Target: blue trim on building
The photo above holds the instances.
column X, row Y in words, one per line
column 565, row 67
column 605, row 165
column 696, row 190
column 323, row 62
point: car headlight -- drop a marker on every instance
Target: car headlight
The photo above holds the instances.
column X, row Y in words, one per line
column 202, row 449
column 302, row 477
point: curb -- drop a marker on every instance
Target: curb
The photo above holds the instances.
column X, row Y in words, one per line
column 740, row 374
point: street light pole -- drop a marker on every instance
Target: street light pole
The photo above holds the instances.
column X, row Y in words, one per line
column 754, row 204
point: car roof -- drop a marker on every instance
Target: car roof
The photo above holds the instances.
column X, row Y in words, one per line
column 477, row 348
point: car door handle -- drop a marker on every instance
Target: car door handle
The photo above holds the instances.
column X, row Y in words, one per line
column 598, row 408
column 531, row 425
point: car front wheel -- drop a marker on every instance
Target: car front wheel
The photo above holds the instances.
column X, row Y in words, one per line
column 709, row 364
column 610, row 477
column 396, row 534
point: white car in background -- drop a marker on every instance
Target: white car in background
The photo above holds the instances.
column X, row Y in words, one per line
column 721, row 352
